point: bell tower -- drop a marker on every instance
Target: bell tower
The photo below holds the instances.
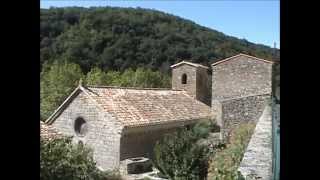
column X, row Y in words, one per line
column 193, row 78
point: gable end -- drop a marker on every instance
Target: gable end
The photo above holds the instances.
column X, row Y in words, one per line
column 239, row 55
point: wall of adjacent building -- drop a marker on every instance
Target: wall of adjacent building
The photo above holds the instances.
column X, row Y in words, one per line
column 241, row 77
column 141, row 144
column 103, row 133
column 240, row 90
column 204, row 86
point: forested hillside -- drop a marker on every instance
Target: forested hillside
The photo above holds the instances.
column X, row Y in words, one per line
column 119, row 38
column 123, row 47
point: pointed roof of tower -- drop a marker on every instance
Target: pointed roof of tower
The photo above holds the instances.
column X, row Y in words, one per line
column 189, row 63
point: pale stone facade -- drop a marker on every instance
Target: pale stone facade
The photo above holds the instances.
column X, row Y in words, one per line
column 241, row 87
column 103, row 132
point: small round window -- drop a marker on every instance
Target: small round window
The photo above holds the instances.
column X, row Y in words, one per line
column 80, row 127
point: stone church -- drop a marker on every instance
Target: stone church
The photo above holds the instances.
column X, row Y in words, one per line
column 120, row 123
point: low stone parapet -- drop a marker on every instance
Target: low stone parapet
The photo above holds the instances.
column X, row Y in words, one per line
column 257, row 160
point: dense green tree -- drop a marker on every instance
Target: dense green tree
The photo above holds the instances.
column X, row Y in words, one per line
column 97, row 77
column 62, row 160
column 121, row 38
column 114, row 78
column 144, row 78
column 57, row 81
column 180, row 156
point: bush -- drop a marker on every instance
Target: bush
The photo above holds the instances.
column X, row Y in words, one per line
column 179, row 156
column 61, row 160
column 224, row 164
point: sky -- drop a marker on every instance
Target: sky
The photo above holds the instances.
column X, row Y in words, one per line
column 257, row 21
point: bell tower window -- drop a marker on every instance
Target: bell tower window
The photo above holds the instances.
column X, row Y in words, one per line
column 184, row 79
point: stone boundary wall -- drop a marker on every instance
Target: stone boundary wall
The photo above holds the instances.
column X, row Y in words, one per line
column 240, row 110
column 257, row 160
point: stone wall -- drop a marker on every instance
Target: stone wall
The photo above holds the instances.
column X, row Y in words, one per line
column 141, row 143
column 241, row 77
column 204, row 86
column 102, row 135
column 240, row 110
column 240, row 88
column 191, row 84
column 257, row 160
column 198, row 82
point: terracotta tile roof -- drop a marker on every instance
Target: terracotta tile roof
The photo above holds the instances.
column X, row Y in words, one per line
column 48, row 132
column 190, row 63
column 238, row 55
column 141, row 107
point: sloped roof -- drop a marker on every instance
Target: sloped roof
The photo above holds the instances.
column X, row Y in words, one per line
column 134, row 107
column 189, row 63
column 239, row 55
column 139, row 107
column 48, row 132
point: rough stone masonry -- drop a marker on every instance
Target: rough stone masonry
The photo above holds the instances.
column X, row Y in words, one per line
column 241, row 87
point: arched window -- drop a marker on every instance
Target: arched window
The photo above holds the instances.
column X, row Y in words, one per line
column 80, row 126
column 184, row 79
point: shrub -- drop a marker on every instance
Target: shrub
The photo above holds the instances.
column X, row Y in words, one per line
column 179, row 156
column 224, row 164
column 61, row 160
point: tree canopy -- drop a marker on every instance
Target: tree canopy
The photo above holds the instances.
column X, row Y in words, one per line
column 59, row 79
column 114, row 38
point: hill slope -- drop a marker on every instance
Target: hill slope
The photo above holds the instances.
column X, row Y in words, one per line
column 119, row 38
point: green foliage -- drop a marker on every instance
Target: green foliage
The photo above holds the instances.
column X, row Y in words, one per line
column 224, row 164
column 57, row 81
column 97, row 77
column 144, row 78
column 179, row 156
column 203, row 128
column 120, row 38
column 61, row 160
